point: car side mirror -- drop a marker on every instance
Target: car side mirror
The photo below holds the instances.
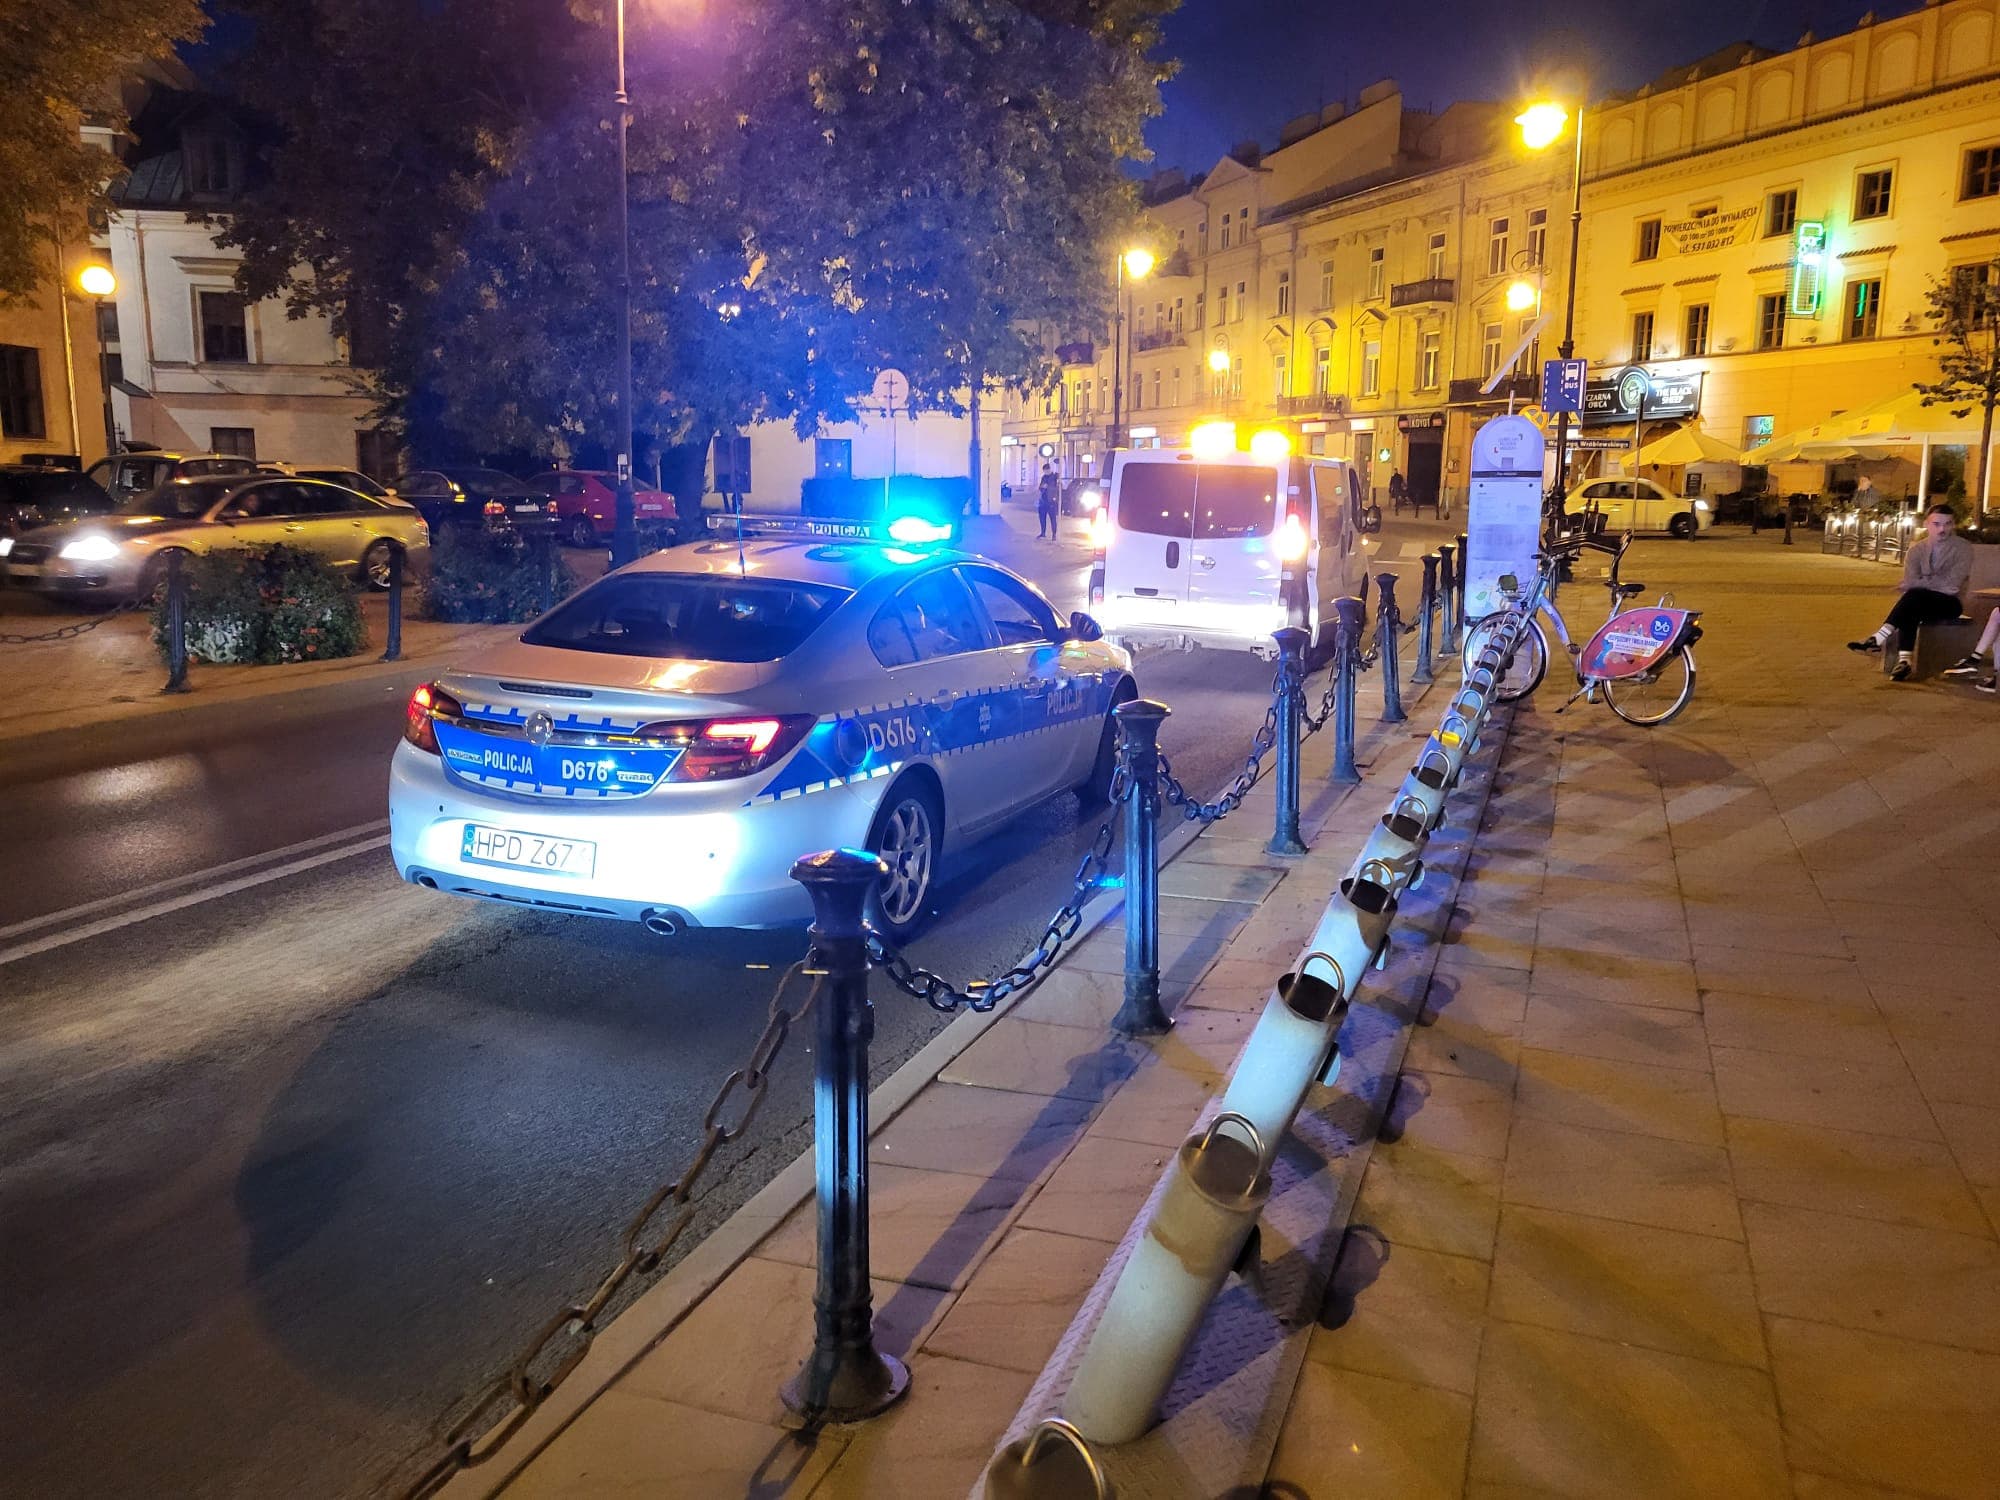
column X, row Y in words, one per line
column 1083, row 628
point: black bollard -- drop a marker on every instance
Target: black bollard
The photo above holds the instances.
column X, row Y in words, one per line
column 1464, row 577
column 1139, row 755
column 1291, row 641
column 1447, row 594
column 1426, row 608
column 1788, row 522
column 845, row 1378
column 394, row 650
column 177, row 608
column 1388, row 628
column 1346, row 662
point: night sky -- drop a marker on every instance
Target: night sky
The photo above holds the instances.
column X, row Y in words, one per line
column 1250, row 65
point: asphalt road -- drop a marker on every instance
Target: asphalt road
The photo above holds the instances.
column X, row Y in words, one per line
column 293, row 1156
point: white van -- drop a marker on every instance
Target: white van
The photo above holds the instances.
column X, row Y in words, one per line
column 1220, row 550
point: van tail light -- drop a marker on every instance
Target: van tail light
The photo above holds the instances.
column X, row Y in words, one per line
column 427, row 704
column 718, row 749
column 1100, row 530
column 1293, row 542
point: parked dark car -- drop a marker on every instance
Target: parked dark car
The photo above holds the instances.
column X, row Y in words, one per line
column 31, row 496
column 468, row 497
column 1083, row 497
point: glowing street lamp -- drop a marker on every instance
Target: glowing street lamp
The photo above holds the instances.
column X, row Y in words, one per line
column 1138, row 264
column 1542, row 125
column 1522, row 295
column 1218, row 361
column 97, row 281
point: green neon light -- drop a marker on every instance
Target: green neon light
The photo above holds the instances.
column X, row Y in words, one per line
column 1808, row 268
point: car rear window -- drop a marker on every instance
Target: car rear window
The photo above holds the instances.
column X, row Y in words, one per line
column 688, row 617
column 1157, row 499
column 1234, row 500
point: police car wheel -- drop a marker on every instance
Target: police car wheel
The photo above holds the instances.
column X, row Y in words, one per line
column 906, row 837
column 1096, row 791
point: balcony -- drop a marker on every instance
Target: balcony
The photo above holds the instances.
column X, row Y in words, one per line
column 1417, row 293
column 1160, row 338
column 1525, row 388
column 1320, row 404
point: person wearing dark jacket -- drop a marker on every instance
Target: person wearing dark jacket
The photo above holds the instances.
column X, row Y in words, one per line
column 1935, row 572
column 1046, row 500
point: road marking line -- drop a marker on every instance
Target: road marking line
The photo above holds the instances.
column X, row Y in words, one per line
column 160, row 888
column 191, row 898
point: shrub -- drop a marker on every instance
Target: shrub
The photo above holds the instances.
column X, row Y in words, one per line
column 485, row 577
column 278, row 605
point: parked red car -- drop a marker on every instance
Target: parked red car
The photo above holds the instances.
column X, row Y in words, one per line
column 587, row 504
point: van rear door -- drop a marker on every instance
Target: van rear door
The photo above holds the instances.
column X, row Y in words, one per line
column 1236, row 567
column 1146, row 567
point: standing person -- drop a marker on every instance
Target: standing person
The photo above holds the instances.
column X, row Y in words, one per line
column 1046, row 499
column 1935, row 573
column 1399, row 490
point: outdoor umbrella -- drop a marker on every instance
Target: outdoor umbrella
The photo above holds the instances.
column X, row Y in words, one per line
column 1689, row 445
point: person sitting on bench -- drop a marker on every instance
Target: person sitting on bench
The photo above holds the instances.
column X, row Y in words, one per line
column 1979, row 664
column 1935, row 572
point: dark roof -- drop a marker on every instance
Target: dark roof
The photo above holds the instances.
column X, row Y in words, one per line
column 158, row 176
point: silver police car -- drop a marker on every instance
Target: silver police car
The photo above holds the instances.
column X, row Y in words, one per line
column 665, row 744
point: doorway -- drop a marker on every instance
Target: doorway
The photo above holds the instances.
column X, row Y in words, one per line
column 1426, row 467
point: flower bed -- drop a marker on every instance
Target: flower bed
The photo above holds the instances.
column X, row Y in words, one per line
column 278, row 605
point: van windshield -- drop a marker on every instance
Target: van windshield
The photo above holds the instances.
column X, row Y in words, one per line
column 1157, row 499
column 1235, row 501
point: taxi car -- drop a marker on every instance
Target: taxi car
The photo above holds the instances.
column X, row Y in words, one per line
column 663, row 745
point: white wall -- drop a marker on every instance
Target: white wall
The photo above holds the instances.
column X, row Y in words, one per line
column 935, row 445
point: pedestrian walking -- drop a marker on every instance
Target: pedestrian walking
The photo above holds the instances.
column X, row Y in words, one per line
column 1046, row 500
column 1935, row 573
column 1399, row 490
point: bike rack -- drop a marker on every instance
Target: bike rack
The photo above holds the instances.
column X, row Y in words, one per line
column 1291, row 1045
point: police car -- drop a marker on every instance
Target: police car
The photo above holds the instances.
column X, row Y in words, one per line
column 662, row 746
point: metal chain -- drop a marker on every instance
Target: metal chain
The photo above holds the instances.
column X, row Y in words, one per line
column 515, row 1396
column 1253, row 764
column 941, row 995
column 80, row 627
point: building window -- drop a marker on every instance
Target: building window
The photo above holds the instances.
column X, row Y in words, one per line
column 1280, row 376
column 1872, row 193
column 1201, row 238
column 1226, row 229
column 1157, row 377
column 238, row 442
column 1434, row 258
column 1242, row 301
column 1758, row 430
column 1375, row 266
column 376, row 453
column 1284, row 294
column 1771, row 321
column 1648, row 247
column 1322, row 370
column 730, row 460
column 1326, row 283
column 225, row 335
column 1219, row 386
column 1781, row 211
column 1371, row 368
column 1864, row 308
column 1180, row 314
column 1694, row 331
column 21, row 392
column 1538, row 236
column 1429, row 347
column 1222, row 304
column 1138, row 391
column 1198, row 298
column 211, row 164
column 1177, row 385
column 1642, row 336
column 1497, row 241
column 1236, row 377
column 1982, row 173
column 1089, row 394
column 1489, row 350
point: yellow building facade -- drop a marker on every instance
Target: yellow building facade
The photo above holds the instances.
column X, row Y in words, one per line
column 51, row 387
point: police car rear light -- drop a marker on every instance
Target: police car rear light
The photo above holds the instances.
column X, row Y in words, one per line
column 718, row 749
column 426, row 704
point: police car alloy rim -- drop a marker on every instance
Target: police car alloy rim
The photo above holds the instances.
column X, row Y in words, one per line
column 906, row 849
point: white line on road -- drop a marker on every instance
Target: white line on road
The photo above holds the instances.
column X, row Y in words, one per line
column 178, row 882
column 191, row 898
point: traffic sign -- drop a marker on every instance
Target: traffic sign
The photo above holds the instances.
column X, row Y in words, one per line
column 1562, row 384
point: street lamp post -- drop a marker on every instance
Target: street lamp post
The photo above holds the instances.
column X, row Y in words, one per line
column 624, row 523
column 98, row 284
column 1139, row 263
column 1541, row 126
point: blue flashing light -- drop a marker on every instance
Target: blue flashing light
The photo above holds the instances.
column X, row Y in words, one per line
column 915, row 530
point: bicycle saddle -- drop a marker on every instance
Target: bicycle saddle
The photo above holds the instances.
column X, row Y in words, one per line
column 1625, row 590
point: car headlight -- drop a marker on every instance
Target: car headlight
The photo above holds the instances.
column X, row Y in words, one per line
column 6, row 545
column 1089, row 500
column 89, row 549
column 1702, row 505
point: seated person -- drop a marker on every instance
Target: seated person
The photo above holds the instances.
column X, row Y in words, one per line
column 1935, row 572
column 1979, row 665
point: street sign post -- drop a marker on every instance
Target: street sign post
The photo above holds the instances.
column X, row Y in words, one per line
column 1562, row 384
column 892, row 389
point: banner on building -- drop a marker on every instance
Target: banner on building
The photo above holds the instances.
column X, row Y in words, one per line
column 1717, row 231
column 1616, row 398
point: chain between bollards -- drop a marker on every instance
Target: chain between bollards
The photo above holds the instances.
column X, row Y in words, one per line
column 1346, row 662
column 177, row 650
column 845, row 1378
column 1426, row 609
column 1388, row 633
column 1285, row 837
column 1139, row 756
column 394, row 650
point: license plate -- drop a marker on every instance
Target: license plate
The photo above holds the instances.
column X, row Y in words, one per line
column 25, row 570
column 512, row 849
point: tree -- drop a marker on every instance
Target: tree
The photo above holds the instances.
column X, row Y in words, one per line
column 817, row 190
column 1965, row 306
column 60, row 61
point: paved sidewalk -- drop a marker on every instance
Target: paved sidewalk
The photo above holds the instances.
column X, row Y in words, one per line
column 1689, row 1186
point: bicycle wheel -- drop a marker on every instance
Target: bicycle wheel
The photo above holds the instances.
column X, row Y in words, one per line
column 1523, row 671
column 1656, row 696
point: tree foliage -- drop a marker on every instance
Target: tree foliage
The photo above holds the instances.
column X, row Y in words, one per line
column 1965, row 306
column 59, row 60
column 818, row 189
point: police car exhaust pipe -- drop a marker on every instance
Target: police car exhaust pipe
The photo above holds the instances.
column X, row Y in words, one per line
column 661, row 923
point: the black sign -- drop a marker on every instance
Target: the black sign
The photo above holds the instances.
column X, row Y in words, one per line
column 1615, row 398
column 1423, row 421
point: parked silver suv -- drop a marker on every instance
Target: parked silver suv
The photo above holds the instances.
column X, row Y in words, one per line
column 124, row 475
